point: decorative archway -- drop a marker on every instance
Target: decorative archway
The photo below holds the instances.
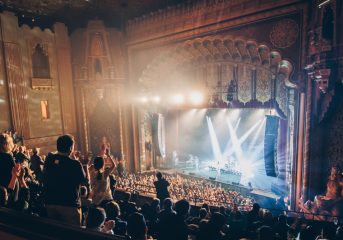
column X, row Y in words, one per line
column 261, row 75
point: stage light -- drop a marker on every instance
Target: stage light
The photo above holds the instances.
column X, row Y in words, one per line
column 178, row 99
column 156, row 99
column 143, row 99
column 196, row 97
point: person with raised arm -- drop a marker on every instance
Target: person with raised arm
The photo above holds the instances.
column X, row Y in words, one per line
column 100, row 181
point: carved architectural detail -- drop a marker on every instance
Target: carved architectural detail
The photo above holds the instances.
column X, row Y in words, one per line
column 217, row 53
column 263, row 85
column 103, row 58
column 284, row 33
column 244, row 83
column 281, row 94
column 98, row 76
column 17, row 89
column 40, row 64
column 187, row 16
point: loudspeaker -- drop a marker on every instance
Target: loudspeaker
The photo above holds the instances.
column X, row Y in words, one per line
column 159, row 135
column 270, row 145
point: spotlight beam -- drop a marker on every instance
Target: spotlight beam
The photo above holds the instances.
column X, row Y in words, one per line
column 215, row 144
column 235, row 141
column 229, row 150
column 253, row 141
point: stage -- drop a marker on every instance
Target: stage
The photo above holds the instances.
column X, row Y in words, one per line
column 265, row 197
column 257, row 180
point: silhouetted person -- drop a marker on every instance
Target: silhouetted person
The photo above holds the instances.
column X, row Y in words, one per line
column 136, row 227
column 202, row 216
column 166, row 220
column 127, row 207
column 282, row 227
column 179, row 228
column 161, row 186
column 62, row 178
column 265, row 232
column 253, row 216
column 212, row 229
column 113, row 213
column 37, row 164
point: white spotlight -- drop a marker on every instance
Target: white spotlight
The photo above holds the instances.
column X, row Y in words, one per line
column 156, row 99
column 143, row 99
column 178, row 99
column 196, row 97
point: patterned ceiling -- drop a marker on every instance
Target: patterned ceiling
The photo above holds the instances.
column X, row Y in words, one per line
column 76, row 13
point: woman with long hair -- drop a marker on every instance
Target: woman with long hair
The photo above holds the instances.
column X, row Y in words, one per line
column 100, row 181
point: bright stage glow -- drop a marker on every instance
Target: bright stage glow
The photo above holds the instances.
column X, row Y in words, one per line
column 224, row 140
column 143, row 99
column 247, row 169
column 196, row 97
column 178, row 99
column 156, row 99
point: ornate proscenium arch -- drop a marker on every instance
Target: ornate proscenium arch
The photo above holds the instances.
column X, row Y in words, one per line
column 261, row 76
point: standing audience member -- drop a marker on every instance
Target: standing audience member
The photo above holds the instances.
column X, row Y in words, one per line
column 37, row 164
column 6, row 194
column 161, row 186
column 62, row 178
column 22, row 155
column 100, row 181
column 6, row 159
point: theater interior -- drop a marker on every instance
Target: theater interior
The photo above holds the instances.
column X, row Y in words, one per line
column 240, row 96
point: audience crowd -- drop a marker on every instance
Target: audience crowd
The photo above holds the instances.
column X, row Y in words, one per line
column 195, row 190
column 68, row 187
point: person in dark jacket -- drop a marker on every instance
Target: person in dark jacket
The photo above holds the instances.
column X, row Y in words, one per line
column 62, row 177
column 161, row 186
